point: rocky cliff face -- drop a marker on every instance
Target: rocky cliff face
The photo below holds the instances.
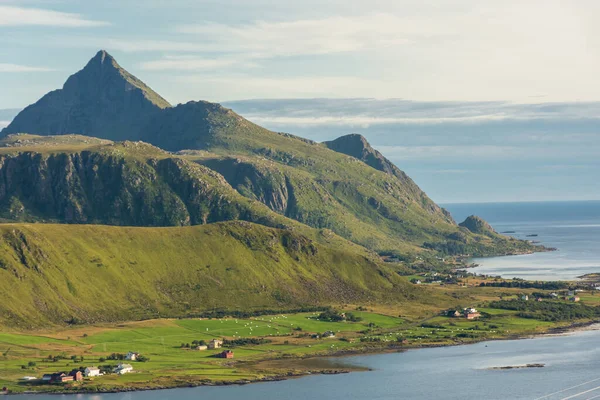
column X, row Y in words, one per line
column 104, row 188
column 101, row 100
column 269, row 186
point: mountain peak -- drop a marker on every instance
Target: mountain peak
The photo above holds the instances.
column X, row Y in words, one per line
column 101, row 100
column 102, row 57
column 101, row 64
column 357, row 146
column 354, row 145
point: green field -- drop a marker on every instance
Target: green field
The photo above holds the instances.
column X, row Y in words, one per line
column 288, row 336
column 161, row 341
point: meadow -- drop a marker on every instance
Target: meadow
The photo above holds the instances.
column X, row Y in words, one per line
column 285, row 336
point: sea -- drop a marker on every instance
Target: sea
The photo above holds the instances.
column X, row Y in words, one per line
column 470, row 372
column 572, row 227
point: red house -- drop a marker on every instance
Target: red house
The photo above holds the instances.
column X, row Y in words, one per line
column 226, row 354
column 61, row 377
column 77, row 375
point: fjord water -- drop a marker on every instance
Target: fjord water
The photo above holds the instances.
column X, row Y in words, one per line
column 572, row 227
column 572, row 366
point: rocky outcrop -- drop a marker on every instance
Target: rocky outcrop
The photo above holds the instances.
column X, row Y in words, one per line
column 357, row 146
column 267, row 185
column 478, row 225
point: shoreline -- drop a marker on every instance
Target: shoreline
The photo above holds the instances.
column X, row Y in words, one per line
column 574, row 328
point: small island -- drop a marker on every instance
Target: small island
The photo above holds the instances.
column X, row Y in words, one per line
column 519, row 366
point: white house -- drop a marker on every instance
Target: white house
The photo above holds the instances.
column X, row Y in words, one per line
column 91, row 371
column 215, row 344
column 201, row 347
column 123, row 369
column 131, row 356
column 524, row 297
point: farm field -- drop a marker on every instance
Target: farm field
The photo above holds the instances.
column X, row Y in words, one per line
column 172, row 363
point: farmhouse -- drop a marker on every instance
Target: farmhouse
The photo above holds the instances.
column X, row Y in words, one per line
column 131, row 356
column 471, row 313
column 77, row 375
column 58, row 377
column 453, row 313
column 215, row 344
column 226, row 354
column 123, row 369
column 91, row 371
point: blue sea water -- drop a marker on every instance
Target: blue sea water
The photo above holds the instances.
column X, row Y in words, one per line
column 572, row 227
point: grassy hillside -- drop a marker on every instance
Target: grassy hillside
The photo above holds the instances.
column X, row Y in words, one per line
column 78, row 179
column 86, row 273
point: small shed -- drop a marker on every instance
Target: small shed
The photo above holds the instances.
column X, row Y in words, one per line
column 226, row 354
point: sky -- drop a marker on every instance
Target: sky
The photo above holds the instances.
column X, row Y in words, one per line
column 477, row 100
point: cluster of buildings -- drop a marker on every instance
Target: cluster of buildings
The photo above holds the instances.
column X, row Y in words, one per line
column 63, row 377
column 468, row 313
column 212, row 345
column 77, row 375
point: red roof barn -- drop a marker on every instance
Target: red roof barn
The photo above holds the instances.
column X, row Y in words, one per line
column 226, row 354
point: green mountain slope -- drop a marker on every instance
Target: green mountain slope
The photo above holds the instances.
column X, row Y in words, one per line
column 88, row 273
column 344, row 185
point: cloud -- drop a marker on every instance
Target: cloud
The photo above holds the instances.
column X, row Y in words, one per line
column 269, row 39
column 21, row 16
column 451, row 171
column 242, row 85
column 4, row 124
column 486, row 153
column 22, row 68
column 365, row 121
column 187, row 63
column 445, row 152
column 334, row 34
column 368, row 112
